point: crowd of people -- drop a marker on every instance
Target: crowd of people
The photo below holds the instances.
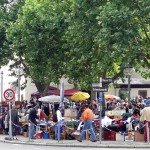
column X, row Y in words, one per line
column 85, row 110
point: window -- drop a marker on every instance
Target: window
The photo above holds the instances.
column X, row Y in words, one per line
column 142, row 93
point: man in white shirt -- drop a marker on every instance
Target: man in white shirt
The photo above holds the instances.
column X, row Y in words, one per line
column 59, row 115
column 59, row 118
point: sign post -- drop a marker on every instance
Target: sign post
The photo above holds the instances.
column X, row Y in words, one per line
column 97, row 87
column 9, row 96
column 10, row 125
column 100, row 100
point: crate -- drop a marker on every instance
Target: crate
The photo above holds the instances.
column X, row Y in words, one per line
column 25, row 134
column 51, row 136
column 119, row 137
column 138, row 137
column 46, row 135
column 129, row 138
column 63, row 136
column 109, row 136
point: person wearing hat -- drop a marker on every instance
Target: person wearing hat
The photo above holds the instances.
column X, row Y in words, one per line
column 87, row 117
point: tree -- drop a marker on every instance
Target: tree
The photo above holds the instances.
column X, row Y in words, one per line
column 4, row 51
column 124, row 34
column 85, row 65
column 37, row 41
column 104, row 37
column 8, row 14
column 81, row 40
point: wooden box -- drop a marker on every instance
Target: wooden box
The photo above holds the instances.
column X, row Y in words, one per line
column 25, row 134
column 119, row 137
column 127, row 138
column 51, row 135
column 70, row 113
column 138, row 136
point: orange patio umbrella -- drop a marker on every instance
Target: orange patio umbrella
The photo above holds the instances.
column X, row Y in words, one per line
column 112, row 97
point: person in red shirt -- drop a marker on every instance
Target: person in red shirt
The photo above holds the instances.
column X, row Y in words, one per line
column 136, row 113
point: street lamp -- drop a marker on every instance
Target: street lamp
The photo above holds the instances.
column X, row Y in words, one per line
column 128, row 72
column 129, row 85
column 18, row 76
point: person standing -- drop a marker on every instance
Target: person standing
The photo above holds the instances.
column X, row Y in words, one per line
column 15, row 121
column 6, row 123
column 145, row 118
column 59, row 118
column 87, row 117
column 32, row 119
column 46, row 109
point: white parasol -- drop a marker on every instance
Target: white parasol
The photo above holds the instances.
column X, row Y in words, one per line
column 52, row 99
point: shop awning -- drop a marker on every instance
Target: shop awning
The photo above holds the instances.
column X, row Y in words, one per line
column 68, row 92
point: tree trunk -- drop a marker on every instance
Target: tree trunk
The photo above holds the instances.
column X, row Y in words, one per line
column 42, row 88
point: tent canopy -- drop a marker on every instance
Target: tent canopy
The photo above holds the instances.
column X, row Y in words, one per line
column 68, row 92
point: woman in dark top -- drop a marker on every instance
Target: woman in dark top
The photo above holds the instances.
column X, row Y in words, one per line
column 46, row 110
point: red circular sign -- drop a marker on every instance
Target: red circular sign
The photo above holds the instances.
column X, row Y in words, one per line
column 9, row 94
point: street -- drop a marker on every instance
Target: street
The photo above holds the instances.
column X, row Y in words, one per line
column 9, row 146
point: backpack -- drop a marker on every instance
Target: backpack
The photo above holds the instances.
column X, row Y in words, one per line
column 55, row 117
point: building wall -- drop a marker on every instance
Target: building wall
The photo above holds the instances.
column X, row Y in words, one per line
column 26, row 93
column 111, row 90
column 135, row 92
column 30, row 88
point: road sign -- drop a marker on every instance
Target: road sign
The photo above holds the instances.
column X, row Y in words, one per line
column 99, row 89
column 96, row 84
column 9, row 94
column 107, row 80
column 100, row 99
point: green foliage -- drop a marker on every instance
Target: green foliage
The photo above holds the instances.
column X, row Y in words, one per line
column 103, row 37
column 37, row 41
column 81, row 40
column 124, row 33
column 83, row 56
column 8, row 14
column 123, row 95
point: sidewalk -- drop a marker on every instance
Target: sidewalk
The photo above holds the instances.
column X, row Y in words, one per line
column 74, row 143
